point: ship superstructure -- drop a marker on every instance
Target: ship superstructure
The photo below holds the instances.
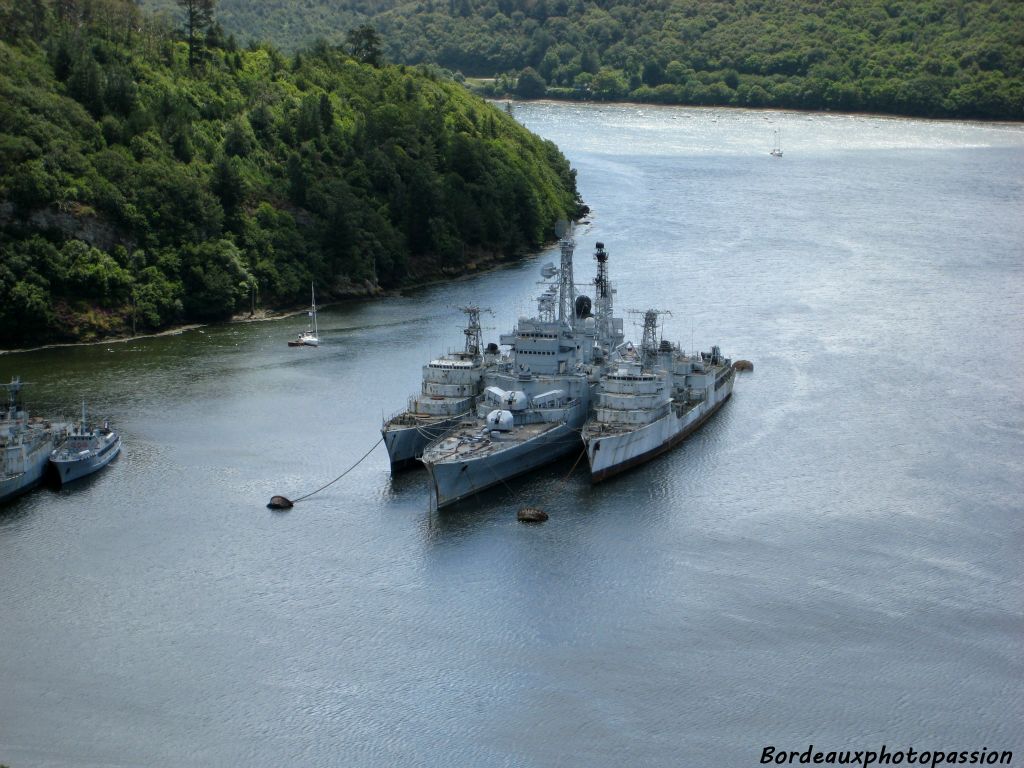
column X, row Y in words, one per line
column 449, row 390
column 25, row 444
column 648, row 402
column 537, row 398
column 570, row 382
column 84, row 451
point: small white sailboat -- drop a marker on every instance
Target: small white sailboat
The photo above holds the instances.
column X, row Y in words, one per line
column 776, row 146
column 311, row 336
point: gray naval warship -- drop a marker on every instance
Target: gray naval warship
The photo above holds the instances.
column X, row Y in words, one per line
column 448, row 393
column 536, row 398
column 25, row 444
column 651, row 399
column 569, row 383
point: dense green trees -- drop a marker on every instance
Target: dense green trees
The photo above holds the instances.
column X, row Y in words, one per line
column 198, row 21
column 290, row 25
column 961, row 58
column 953, row 58
column 136, row 189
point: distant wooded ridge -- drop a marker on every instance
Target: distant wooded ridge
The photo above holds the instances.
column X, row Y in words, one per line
column 151, row 177
column 934, row 58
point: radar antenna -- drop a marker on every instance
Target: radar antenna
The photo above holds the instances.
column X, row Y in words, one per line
column 649, row 342
column 609, row 333
column 13, row 390
column 472, row 330
column 566, row 288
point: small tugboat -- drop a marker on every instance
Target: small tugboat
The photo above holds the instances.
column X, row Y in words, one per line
column 311, row 336
column 84, row 451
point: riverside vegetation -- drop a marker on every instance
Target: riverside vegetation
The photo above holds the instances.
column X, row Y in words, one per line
column 147, row 179
column 936, row 58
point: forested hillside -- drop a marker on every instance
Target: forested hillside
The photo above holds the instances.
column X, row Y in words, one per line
column 289, row 24
column 943, row 58
column 914, row 57
column 139, row 190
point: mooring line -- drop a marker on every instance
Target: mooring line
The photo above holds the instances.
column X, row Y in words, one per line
column 573, row 467
column 322, row 487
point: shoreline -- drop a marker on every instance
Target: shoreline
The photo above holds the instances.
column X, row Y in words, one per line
column 265, row 315
column 988, row 122
column 175, row 330
column 172, row 331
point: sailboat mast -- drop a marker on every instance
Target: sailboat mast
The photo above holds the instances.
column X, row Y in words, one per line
column 312, row 292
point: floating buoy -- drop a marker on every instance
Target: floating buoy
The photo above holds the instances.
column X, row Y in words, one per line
column 283, row 502
column 531, row 515
column 742, row 365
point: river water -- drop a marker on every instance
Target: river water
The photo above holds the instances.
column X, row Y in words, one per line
column 834, row 559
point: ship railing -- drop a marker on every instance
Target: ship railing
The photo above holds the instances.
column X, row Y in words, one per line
column 399, row 412
column 410, row 407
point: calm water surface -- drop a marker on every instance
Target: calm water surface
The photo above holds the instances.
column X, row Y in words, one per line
column 834, row 560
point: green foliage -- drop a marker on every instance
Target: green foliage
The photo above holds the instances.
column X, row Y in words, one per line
column 530, row 85
column 137, row 190
column 213, row 273
column 290, row 25
column 89, row 273
column 365, row 45
column 199, row 27
column 955, row 58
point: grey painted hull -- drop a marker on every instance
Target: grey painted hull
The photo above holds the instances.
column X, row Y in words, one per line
column 405, row 444
column 452, row 481
column 73, row 469
column 612, row 454
column 23, row 482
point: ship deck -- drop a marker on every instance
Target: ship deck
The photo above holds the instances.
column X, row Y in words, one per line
column 409, row 419
column 470, row 444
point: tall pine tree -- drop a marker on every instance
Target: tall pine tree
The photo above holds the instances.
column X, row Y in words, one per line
column 198, row 18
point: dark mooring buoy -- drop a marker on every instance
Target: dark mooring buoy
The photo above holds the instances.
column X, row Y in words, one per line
column 742, row 365
column 531, row 515
column 280, row 502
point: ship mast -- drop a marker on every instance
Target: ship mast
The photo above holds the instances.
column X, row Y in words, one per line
column 472, row 331
column 649, row 342
column 566, row 289
column 13, row 389
column 603, row 292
